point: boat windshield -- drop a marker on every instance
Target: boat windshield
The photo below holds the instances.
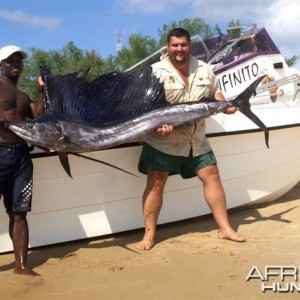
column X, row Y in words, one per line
column 257, row 42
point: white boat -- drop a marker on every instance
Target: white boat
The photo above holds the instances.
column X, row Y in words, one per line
column 101, row 200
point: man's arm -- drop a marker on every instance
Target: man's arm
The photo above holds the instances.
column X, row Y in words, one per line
column 38, row 108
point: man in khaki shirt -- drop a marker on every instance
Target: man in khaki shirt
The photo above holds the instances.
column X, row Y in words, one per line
column 184, row 150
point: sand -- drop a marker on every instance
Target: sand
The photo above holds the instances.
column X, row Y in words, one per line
column 188, row 261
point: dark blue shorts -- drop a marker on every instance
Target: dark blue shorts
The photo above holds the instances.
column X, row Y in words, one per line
column 16, row 171
column 185, row 166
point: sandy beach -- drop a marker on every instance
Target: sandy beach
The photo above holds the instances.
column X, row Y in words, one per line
column 188, row 261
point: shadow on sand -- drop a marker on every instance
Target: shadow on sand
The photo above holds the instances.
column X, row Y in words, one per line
column 238, row 216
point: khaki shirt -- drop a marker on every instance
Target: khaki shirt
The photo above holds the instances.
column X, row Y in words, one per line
column 202, row 83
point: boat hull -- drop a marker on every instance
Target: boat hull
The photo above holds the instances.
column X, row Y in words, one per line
column 100, row 200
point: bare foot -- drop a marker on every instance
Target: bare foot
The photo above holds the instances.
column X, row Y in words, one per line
column 145, row 244
column 231, row 235
column 28, row 272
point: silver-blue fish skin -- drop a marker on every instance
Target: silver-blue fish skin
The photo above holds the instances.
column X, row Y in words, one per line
column 64, row 136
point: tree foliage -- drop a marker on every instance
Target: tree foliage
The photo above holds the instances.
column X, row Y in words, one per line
column 139, row 48
column 196, row 26
column 72, row 59
column 67, row 60
column 292, row 60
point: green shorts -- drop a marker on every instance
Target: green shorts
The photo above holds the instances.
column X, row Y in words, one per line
column 185, row 166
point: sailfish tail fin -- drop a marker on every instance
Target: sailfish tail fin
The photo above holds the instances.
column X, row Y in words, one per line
column 242, row 103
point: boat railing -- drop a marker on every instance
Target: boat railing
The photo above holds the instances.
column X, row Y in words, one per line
column 277, row 83
column 157, row 53
column 275, row 86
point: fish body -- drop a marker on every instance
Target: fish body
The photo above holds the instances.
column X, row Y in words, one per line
column 114, row 109
column 68, row 136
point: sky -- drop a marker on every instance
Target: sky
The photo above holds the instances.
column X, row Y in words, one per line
column 97, row 24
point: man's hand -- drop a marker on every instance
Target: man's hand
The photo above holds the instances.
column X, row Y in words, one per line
column 220, row 97
column 230, row 110
column 164, row 130
column 40, row 84
column 3, row 121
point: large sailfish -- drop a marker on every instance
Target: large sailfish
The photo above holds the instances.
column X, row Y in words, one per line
column 113, row 109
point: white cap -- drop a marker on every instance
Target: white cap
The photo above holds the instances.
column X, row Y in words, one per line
column 7, row 51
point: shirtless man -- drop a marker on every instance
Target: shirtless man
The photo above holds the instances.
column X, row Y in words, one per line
column 15, row 163
column 183, row 150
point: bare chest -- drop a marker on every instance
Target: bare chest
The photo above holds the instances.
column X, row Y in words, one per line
column 184, row 75
column 12, row 101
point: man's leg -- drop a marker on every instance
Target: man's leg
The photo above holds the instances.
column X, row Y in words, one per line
column 152, row 203
column 216, row 200
column 19, row 234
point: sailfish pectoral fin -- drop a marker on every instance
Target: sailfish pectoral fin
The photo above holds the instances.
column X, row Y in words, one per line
column 249, row 114
column 64, row 160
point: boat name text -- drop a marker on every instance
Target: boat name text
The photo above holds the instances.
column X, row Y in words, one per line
column 241, row 75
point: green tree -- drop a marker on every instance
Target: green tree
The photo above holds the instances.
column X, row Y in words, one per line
column 69, row 59
column 217, row 30
column 139, row 48
column 234, row 28
column 72, row 59
column 195, row 26
column 292, row 60
column 31, row 71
